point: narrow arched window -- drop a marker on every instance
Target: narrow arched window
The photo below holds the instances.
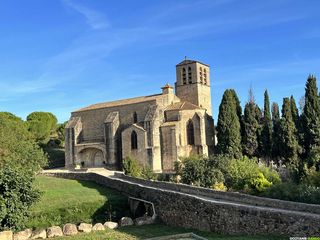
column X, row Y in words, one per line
column 134, row 140
column 190, row 133
column 184, row 77
column 205, row 76
column 135, row 117
column 189, row 75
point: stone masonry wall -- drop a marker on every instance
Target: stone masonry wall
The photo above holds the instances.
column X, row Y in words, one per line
column 189, row 211
column 228, row 196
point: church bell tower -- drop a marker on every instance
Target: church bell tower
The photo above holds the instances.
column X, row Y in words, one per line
column 193, row 83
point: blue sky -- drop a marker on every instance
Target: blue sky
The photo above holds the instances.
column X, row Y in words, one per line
column 60, row 55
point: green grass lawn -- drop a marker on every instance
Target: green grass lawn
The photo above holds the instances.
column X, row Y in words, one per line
column 155, row 230
column 65, row 200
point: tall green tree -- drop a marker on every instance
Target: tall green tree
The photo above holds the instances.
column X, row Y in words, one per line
column 17, row 145
column 311, row 116
column 275, row 132
column 266, row 134
column 251, row 127
column 297, row 119
column 20, row 159
column 289, row 144
column 237, row 101
column 294, row 111
column 228, row 127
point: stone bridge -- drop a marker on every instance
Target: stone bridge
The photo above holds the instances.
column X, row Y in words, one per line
column 208, row 210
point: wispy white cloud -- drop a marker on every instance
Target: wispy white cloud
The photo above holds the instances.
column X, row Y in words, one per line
column 95, row 46
column 94, row 18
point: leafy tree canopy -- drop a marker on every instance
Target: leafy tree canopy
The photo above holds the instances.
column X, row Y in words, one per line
column 41, row 125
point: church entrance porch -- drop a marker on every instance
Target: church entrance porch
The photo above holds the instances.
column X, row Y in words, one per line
column 91, row 155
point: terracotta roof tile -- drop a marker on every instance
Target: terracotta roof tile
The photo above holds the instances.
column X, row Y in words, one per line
column 120, row 102
column 182, row 106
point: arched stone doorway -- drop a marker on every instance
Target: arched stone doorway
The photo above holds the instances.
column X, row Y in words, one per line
column 92, row 157
column 98, row 159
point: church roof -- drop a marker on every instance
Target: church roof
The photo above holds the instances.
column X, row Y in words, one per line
column 187, row 61
column 182, row 106
column 120, row 102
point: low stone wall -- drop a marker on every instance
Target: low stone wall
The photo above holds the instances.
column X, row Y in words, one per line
column 189, row 211
column 228, row 196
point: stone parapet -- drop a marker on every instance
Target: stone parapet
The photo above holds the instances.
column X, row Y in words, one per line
column 211, row 214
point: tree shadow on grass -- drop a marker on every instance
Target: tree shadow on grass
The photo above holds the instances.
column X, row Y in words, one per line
column 115, row 206
column 157, row 230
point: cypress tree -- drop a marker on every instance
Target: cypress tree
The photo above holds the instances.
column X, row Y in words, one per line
column 251, row 125
column 298, row 123
column 311, row 122
column 294, row 111
column 237, row 101
column 275, row 131
column 228, row 127
column 311, row 114
column 266, row 134
column 289, row 144
column 239, row 112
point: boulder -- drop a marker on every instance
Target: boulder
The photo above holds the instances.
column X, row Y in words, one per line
column 6, row 235
column 39, row 234
column 54, row 231
column 110, row 225
column 143, row 220
column 70, row 229
column 98, row 227
column 125, row 221
column 22, row 235
column 85, row 227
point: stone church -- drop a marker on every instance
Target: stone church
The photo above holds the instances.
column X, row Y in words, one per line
column 155, row 130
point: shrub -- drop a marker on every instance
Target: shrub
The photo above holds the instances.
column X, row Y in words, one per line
column 241, row 172
column 212, row 176
column 193, row 171
column 131, row 167
column 17, row 195
column 260, row 183
column 201, row 171
column 147, row 173
column 294, row 192
column 246, row 174
column 270, row 174
column 219, row 186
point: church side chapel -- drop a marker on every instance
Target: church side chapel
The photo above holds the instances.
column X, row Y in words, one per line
column 155, row 130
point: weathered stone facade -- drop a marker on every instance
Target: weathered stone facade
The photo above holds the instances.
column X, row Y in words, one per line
column 156, row 130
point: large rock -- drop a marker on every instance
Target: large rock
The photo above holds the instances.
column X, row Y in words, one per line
column 98, row 227
column 70, row 229
column 125, row 221
column 22, row 235
column 6, row 235
column 143, row 220
column 110, row 225
column 54, row 231
column 39, row 234
column 85, row 227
